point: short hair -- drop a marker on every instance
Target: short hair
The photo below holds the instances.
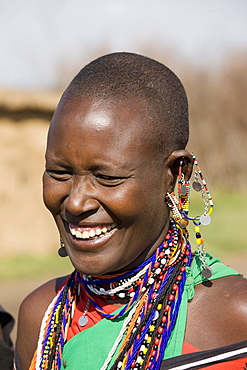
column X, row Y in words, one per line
column 125, row 75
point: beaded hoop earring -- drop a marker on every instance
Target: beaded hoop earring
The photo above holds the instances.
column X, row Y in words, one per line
column 180, row 209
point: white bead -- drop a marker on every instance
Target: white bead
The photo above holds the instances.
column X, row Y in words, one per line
column 138, row 360
column 156, row 316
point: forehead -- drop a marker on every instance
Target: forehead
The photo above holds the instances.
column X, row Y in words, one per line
column 108, row 125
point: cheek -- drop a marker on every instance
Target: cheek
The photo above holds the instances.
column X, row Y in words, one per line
column 136, row 203
column 53, row 194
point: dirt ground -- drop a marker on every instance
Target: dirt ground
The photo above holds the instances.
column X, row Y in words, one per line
column 12, row 293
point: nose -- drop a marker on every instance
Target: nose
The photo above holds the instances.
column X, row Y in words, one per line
column 82, row 197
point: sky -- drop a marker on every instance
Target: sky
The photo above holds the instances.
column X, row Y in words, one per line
column 44, row 43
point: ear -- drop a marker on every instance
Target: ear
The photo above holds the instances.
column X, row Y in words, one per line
column 173, row 163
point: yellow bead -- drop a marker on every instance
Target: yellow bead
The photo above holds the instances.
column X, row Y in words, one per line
column 149, row 340
column 199, row 241
column 159, row 306
column 152, row 327
column 197, row 229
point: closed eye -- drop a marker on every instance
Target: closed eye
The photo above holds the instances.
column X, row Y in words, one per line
column 109, row 180
column 59, row 175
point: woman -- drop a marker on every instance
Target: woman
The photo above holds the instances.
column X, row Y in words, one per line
column 138, row 296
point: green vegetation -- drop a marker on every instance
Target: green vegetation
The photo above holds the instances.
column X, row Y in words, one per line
column 33, row 266
column 223, row 236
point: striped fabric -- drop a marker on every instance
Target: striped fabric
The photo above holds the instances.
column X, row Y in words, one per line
column 232, row 357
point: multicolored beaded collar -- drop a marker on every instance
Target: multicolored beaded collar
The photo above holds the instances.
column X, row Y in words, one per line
column 154, row 290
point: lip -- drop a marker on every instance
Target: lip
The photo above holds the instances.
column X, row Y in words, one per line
column 89, row 236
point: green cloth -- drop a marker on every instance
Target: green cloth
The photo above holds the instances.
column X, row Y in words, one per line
column 89, row 349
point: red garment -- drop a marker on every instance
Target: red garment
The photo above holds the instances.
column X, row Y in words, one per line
column 94, row 317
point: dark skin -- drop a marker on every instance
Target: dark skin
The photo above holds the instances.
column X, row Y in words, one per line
column 99, row 159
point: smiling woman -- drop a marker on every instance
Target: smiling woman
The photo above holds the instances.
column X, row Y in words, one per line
column 110, row 184
column 115, row 149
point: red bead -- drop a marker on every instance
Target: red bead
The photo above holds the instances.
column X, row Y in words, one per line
column 175, row 287
column 138, row 282
column 182, row 268
column 133, row 364
column 167, row 307
column 157, row 341
column 162, row 254
column 153, row 295
column 131, row 290
column 187, row 253
column 149, row 306
column 153, row 352
column 160, row 330
column 186, row 260
column 163, row 319
column 157, row 286
column 171, row 297
column 179, row 277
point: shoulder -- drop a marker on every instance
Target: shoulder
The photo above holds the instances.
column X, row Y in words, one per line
column 219, row 311
column 31, row 313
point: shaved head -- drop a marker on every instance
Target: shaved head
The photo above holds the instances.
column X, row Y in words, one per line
column 124, row 76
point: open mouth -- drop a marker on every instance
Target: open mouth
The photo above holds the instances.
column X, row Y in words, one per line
column 86, row 233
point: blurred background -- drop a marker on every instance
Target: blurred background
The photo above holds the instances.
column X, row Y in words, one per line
column 45, row 43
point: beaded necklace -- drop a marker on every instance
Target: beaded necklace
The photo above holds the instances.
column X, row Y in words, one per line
column 154, row 290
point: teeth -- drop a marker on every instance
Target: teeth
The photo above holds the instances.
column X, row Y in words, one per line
column 91, row 233
column 85, row 235
column 73, row 231
column 77, row 234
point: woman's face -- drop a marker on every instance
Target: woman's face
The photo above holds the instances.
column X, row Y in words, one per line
column 104, row 185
